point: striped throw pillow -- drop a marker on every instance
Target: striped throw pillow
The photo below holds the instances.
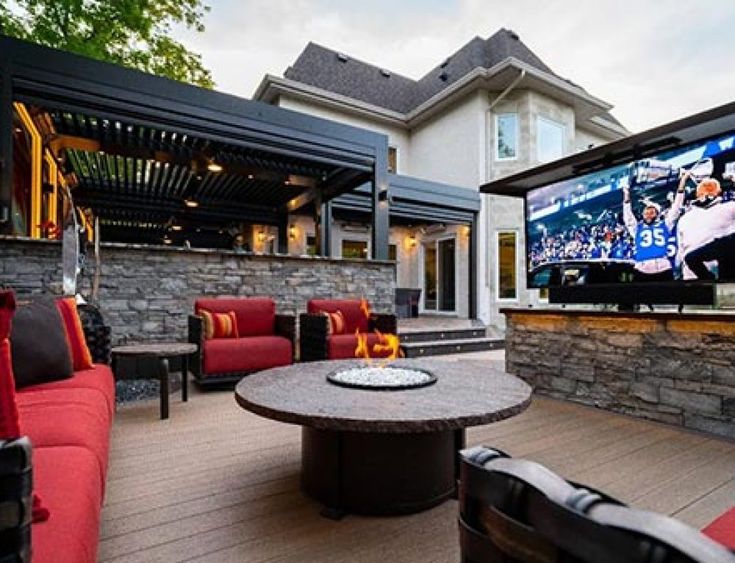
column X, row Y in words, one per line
column 219, row 325
column 336, row 324
column 80, row 355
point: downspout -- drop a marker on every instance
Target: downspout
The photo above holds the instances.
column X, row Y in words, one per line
column 488, row 121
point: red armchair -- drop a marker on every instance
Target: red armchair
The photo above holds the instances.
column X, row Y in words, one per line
column 317, row 344
column 265, row 340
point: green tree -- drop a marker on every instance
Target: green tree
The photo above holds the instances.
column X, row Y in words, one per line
column 132, row 33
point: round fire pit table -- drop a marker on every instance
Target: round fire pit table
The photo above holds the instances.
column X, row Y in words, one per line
column 382, row 452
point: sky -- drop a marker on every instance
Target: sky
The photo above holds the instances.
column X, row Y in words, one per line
column 653, row 60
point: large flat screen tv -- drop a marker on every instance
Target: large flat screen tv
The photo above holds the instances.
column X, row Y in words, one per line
column 666, row 219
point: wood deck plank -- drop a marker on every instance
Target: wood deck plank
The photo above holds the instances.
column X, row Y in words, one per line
column 214, row 483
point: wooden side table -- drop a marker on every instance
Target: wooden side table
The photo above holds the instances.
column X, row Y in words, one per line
column 164, row 351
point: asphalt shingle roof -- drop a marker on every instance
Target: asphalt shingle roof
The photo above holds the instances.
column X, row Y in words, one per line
column 327, row 69
column 336, row 72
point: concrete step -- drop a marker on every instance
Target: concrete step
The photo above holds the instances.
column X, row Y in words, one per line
column 440, row 335
column 442, row 347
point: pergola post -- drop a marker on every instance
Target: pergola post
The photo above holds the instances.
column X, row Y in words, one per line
column 380, row 205
column 283, row 234
column 325, row 229
column 472, row 261
column 6, row 148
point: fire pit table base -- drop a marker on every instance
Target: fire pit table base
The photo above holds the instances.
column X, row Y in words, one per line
column 379, row 473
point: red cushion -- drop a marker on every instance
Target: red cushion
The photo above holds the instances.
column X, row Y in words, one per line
column 68, row 417
column 67, row 478
column 256, row 316
column 229, row 355
column 80, row 355
column 355, row 318
column 99, row 378
column 722, row 529
column 9, row 428
column 342, row 346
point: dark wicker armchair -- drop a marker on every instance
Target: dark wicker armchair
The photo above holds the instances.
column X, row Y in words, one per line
column 519, row 511
column 316, row 343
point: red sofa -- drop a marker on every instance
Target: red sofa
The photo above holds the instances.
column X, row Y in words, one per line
column 265, row 340
column 68, row 424
column 317, row 344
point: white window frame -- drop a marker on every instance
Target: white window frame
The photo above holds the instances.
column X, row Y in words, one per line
column 561, row 126
column 496, row 143
column 497, row 266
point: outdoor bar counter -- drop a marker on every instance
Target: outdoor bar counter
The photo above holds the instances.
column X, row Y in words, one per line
column 676, row 368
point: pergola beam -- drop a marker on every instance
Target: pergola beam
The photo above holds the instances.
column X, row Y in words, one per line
column 6, row 147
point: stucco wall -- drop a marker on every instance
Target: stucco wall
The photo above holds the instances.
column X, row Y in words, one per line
column 397, row 135
column 448, row 147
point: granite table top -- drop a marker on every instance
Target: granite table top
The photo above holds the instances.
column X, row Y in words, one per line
column 467, row 393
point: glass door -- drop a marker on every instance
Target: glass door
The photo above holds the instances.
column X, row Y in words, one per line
column 440, row 275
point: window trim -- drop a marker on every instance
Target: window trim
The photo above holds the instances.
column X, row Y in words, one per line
column 358, row 239
column 394, row 147
column 498, row 298
column 496, row 142
column 561, row 126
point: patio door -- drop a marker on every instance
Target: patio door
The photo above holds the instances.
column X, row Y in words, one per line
column 439, row 275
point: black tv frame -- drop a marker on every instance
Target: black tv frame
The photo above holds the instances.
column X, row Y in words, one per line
column 628, row 295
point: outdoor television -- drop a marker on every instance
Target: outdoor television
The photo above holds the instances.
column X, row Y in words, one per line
column 667, row 220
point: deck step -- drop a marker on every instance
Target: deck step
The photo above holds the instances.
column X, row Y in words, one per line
column 441, row 335
column 457, row 346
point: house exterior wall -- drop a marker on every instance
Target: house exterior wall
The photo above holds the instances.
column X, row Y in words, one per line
column 457, row 147
column 448, row 147
column 398, row 136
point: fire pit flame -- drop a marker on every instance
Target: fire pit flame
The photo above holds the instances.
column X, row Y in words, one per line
column 388, row 346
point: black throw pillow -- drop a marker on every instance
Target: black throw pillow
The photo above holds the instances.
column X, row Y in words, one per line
column 38, row 344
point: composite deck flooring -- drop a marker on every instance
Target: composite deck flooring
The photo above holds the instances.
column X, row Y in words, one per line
column 215, row 483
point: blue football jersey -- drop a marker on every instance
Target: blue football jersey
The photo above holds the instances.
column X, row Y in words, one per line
column 651, row 241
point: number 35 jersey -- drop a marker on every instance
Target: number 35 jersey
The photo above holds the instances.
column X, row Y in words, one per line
column 652, row 241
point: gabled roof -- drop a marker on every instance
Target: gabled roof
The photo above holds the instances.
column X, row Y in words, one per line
column 337, row 72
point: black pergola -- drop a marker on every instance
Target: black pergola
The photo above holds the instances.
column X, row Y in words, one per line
column 139, row 146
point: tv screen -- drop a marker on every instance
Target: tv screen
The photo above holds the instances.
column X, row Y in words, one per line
column 659, row 219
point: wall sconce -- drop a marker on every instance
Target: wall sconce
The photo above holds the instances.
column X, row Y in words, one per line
column 292, row 232
column 412, row 241
column 466, row 230
column 261, row 236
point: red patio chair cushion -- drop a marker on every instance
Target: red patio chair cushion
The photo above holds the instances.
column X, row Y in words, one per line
column 355, row 319
column 342, row 346
column 68, row 479
column 80, row 355
column 256, row 316
column 722, row 529
column 68, row 417
column 232, row 355
column 99, row 378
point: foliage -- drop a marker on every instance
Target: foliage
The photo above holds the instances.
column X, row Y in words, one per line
column 132, row 33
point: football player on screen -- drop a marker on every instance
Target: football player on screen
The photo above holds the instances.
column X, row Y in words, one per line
column 707, row 234
column 652, row 235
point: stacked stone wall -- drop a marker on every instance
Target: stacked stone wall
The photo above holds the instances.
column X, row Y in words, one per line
column 677, row 369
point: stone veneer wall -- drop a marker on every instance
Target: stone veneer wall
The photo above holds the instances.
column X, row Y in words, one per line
column 147, row 292
column 677, row 369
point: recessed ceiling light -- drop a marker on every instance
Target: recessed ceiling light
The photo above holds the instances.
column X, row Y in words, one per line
column 176, row 227
column 167, row 240
column 191, row 203
column 250, row 176
column 287, row 182
column 214, row 167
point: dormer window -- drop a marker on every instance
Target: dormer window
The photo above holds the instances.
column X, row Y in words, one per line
column 385, row 73
column 342, row 57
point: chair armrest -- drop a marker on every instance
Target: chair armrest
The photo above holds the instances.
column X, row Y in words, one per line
column 286, row 327
column 99, row 342
column 196, row 336
column 16, row 500
column 313, row 333
column 384, row 322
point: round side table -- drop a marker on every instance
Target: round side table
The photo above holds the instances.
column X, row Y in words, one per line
column 164, row 351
